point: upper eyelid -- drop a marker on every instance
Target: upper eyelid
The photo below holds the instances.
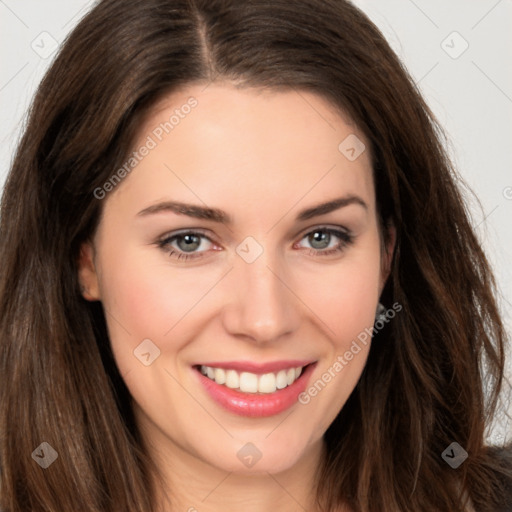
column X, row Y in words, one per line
column 325, row 227
column 181, row 232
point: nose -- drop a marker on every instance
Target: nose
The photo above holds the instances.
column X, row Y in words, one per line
column 262, row 306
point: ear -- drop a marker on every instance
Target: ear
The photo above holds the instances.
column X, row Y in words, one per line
column 87, row 274
column 388, row 249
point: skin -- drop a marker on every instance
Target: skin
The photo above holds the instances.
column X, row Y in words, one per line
column 262, row 157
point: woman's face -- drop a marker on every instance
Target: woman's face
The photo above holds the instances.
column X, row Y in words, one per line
column 272, row 262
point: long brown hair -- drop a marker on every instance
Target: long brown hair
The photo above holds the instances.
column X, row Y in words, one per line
column 433, row 374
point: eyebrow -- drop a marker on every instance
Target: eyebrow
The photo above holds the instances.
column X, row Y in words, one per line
column 220, row 216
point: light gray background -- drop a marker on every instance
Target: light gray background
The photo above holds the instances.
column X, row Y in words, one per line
column 469, row 90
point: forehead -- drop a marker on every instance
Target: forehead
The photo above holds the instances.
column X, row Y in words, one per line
column 216, row 142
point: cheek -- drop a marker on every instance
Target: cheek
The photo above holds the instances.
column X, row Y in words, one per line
column 344, row 296
column 344, row 300
column 147, row 300
column 346, row 303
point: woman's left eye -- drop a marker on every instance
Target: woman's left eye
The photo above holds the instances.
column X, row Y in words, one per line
column 323, row 241
column 191, row 244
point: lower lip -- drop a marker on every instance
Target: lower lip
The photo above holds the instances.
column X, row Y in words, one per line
column 253, row 404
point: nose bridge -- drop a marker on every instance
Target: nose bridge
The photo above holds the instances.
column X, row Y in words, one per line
column 262, row 308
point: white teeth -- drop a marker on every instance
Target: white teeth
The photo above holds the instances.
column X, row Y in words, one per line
column 220, row 376
column 281, row 380
column 232, row 379
column 248, row 382
column 267, row 383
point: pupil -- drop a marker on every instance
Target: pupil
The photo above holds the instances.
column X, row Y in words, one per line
column 319, row 239
column 192, row 242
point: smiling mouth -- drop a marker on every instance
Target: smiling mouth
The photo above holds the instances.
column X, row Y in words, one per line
column 248, row 382
column 267, row 390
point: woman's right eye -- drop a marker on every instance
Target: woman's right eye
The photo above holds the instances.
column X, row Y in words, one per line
column 185, row 245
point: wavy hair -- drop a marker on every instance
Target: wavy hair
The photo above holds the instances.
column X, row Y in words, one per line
column 433, row 375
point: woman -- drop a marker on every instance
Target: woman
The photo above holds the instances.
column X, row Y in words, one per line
column 238, row 273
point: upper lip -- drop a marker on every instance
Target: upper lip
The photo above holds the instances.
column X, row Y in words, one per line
column 258, row 368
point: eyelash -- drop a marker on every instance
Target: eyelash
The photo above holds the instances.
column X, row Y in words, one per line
column 345, row 237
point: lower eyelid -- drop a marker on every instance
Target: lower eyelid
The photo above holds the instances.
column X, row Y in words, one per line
column 183, row 255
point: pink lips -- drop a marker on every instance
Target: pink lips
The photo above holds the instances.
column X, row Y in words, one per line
column 257, row 404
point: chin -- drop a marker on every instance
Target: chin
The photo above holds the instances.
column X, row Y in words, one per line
column 258, row 454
